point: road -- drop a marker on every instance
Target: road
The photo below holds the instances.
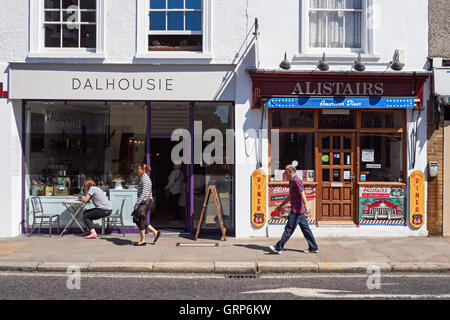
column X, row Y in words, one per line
column 91, row 286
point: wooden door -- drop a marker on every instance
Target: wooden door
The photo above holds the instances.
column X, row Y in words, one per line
column 336, row 173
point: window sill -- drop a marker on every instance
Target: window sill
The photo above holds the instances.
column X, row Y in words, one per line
column 65, row 55
column 335, row 57
column 174, row 57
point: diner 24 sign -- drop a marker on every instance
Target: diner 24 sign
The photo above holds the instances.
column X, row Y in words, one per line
column 259, row 198
column 417, row 199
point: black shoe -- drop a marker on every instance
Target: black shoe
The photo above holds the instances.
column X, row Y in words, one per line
column 157, row 237
column 141, row 245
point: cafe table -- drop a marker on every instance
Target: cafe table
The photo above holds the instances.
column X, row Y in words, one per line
column 75, row 208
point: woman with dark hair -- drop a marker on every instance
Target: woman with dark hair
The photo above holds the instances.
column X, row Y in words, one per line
column 103, row 207
column 143, row 204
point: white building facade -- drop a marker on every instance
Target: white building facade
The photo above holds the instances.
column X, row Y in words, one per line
column 96, row 87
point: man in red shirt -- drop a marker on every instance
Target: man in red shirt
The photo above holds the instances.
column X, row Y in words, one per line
column 297, row 216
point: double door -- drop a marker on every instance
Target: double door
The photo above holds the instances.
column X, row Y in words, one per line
column 336, row 177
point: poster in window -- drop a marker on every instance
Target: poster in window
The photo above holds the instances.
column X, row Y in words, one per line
column 278, row 193
column 382, row 205
column 367, row 155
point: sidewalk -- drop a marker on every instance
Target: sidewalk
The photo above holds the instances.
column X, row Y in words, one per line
column 240, row 256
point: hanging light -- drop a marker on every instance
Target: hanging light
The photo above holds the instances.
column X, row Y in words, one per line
column 285, row 65
column 323, row 64
column 359, row 66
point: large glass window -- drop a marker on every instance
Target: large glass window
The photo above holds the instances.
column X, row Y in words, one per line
column 293, row 119
column 175, row 25
column 290, row 147
column 69, row 142
column 215, row 164
column 381, row 119
column 381, row 157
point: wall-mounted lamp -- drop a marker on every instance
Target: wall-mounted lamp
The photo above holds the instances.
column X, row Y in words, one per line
column 396, row 64
column 359, row 66
column 323, row 64
column 285, row 65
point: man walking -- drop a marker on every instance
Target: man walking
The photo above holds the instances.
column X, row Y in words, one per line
column 297, row 197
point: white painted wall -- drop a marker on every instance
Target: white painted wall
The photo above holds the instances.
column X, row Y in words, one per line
column 400, row 24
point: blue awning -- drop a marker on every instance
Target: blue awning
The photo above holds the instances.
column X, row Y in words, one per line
column 340, row 103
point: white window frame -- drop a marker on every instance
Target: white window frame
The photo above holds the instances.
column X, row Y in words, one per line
column 366, row 33
column 37, row 35
column 143, row 30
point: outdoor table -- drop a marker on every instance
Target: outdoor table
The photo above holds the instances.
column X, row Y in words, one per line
column 75, row 208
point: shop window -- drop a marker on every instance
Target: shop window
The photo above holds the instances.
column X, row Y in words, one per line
column 293, row 119
column 381, row 119
column 175, row 25
column 337, row 119
column 293, row 146
column 381, row 157
column 69, row 142
column 335, row 24
column 70, row 24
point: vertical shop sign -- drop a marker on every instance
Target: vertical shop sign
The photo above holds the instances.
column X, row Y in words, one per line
column 417, row 199
column 259, row 198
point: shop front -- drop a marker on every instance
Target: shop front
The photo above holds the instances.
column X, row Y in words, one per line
column 353, row 138
column 102, row 122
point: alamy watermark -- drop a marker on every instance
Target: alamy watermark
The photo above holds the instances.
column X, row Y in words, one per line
column 74, row 279
column 220, row 147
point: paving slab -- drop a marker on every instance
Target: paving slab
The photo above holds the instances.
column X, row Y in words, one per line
column 359, row 267
column 121, row 267
column 184, row 267
column 18, row 265
column 62, row 266
column 235, row 267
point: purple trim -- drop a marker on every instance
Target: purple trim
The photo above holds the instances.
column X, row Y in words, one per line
column 76, row 231
column 190, row 213
column 147, row 138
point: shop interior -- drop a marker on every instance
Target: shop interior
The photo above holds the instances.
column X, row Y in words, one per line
column 68, row 142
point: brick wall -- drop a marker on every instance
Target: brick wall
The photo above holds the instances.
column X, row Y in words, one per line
column 435, row 185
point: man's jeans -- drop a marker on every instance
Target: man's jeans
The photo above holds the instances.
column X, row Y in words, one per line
column 295, row 219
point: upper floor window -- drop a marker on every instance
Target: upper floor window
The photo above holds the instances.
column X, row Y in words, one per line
column 336, row 24
column 175, row 25
column 67, row 29
column 70, row 24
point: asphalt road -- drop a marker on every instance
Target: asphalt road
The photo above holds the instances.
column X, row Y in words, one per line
column 91, row 286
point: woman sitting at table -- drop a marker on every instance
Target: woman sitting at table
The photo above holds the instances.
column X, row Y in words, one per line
column 103, row 207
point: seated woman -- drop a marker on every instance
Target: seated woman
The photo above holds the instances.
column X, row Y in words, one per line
column 103, row 207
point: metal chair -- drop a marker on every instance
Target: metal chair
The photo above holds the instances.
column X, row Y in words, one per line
column 114, row 219
column 38, row 213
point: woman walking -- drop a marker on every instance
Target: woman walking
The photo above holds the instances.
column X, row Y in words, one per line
column 143, row 204
column 103, row 207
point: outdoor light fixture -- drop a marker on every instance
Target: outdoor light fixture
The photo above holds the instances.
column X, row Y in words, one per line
column 285, row 65
column 396, row 64
column 323, row 64
column 359, row 66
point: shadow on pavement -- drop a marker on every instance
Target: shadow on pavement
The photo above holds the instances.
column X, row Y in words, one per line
column 263, row 248
column 119, row 242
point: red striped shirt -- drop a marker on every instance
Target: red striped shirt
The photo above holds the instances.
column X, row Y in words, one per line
column 295, row 189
